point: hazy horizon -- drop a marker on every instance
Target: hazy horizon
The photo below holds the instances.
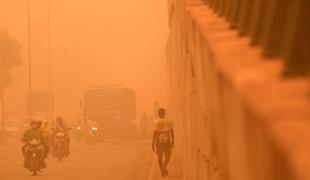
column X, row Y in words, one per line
column 107, row 42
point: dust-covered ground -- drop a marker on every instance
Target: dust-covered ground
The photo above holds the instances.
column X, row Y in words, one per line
column 111, row 160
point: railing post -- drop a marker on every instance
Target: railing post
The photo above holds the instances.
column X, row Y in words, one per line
column 297, row 38
column 212, row 3
column 228, row 9
column 217, row 5
column 256, row 21
column 274, row 22
column 222, row 6
column 233, row 14
column 280, row 26
column 245, row 16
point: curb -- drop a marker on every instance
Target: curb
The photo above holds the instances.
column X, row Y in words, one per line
column 152, row 170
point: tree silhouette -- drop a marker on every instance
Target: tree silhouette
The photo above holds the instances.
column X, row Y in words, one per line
column 9, row 57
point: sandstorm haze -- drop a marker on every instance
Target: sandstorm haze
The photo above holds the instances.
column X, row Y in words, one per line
column 94, row 42
column 232, row 77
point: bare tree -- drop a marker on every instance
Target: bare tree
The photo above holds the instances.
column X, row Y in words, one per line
column 9, row 57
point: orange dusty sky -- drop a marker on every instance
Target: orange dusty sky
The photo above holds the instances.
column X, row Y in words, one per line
column 100, row 42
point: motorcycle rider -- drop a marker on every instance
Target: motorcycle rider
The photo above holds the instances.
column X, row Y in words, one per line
column 61, row 126
column 90, row 125
column 47, row 134
column 163, row 140
column 33, row 133
column 79, row 130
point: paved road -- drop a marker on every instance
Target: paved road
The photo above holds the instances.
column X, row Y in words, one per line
column 112, row 160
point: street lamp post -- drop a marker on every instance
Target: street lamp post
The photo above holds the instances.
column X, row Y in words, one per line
column 49, row 58
column 29, row 62
column 2, row 110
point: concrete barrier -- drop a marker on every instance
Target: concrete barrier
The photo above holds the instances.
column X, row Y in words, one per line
column 236, row 117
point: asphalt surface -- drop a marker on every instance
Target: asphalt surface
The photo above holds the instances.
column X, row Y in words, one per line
column 112, row 160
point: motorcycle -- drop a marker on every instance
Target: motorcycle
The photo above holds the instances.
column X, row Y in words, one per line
column 91, row 136
column 59, row 145
column 79, row 134
column 33, row 153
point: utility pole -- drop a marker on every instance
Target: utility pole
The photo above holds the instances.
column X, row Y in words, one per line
column 3, row 135
column 49, row 58
column 30, row 113
column 2, row 109
column 65, row 71
column 2, row 103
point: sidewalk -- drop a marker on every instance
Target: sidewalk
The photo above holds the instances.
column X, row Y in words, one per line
column 173, row 167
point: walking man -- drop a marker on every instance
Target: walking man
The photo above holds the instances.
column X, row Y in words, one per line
column 163, row 140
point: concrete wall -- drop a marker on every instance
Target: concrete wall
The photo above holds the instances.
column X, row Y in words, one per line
column 236, row 117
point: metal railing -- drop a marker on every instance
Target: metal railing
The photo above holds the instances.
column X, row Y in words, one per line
column 281, row 27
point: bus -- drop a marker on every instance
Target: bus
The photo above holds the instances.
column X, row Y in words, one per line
column 114, row 109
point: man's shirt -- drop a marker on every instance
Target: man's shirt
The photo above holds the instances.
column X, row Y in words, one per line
column 162, row 130
column 163, row 124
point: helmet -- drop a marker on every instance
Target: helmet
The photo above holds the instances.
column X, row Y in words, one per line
column 45, row 122
column 39, row 124
column 161, row 112
column 59, row 119
column 33, row 123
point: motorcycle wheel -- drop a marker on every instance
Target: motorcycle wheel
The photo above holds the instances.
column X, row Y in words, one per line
column 60, row 151
column 34, row 166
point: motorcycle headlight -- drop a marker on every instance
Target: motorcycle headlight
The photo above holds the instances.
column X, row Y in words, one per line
column 94, row 129
column 78, row 128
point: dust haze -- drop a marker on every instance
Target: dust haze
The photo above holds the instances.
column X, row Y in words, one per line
column 107, row 43
column 97, row 71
